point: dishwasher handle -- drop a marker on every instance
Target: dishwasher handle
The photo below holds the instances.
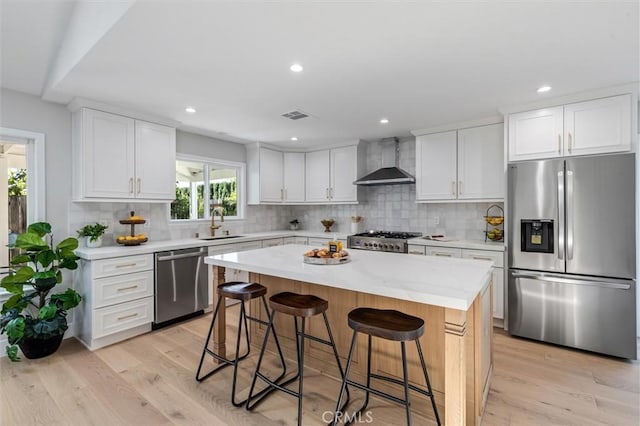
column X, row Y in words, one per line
column 181, row 256
column 564, row 280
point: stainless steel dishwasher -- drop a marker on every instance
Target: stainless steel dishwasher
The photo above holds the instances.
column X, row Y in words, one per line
column 180, row 285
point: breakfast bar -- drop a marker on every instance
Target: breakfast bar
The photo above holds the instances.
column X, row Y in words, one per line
column 452, row 296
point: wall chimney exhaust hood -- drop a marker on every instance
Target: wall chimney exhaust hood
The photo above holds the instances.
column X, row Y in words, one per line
column 392, row 175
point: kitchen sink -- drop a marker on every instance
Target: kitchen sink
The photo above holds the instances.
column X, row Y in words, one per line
column 221, row 237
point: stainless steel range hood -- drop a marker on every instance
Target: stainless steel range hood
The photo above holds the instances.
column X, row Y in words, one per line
column 387, row 175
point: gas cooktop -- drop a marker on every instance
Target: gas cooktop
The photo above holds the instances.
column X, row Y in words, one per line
column 382, row 241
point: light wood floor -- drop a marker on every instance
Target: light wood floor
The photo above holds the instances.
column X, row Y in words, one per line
column 149, row 380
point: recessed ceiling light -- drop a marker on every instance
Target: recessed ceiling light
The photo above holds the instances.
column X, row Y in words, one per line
column 296, row 68
column 293, row 138
column 384, row 121
column 543, row 89
column 190, row 110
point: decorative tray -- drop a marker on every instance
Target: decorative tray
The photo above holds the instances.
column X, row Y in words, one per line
column 326, row 260
column 133, row 242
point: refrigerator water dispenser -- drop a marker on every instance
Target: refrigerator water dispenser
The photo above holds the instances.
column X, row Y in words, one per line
column 536, row 235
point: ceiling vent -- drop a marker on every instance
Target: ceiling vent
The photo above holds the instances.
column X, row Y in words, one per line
column 295, row 115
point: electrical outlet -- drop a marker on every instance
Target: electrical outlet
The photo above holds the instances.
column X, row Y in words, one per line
column 147, row 224
column 436, row 220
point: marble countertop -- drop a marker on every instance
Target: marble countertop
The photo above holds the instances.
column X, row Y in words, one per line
column 106, row 252
column 446, row 282
column 464, row 244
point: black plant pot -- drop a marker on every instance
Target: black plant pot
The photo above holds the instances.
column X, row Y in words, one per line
column 39, row 348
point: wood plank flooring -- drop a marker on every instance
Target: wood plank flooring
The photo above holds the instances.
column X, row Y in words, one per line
column 149, row 380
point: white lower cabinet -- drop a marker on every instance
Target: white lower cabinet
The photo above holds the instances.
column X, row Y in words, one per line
column 272, row 242
column 496, row 257
column 117, row 299
column 296, row 240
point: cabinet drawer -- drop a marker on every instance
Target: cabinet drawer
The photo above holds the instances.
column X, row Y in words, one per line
column 122, row 265
column 444, row 252
column 272, row 242
column 495, row 256
column 417, row 249
column 124, row 316
column 122, row 288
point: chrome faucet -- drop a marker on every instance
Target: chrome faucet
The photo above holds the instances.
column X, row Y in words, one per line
column 213, row 226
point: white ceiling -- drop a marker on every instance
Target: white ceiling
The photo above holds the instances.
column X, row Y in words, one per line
column 420, row 64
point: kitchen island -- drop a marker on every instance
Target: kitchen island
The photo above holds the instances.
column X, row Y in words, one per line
column 453, row 296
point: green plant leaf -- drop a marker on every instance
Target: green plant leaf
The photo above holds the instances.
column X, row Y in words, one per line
column 43, row 275
column 67, row 300
column 46, row 258
column 15, row 301
column 21, row 276
column 39, row 228
column 15, row 329
column 47, row 312
column 69, row 263
column 13, row 288
column 45, row 327
column 22, row 258
column 12, row 353
column 67, row 244
column 31, row 241
column 45, row 284
column 59, row 277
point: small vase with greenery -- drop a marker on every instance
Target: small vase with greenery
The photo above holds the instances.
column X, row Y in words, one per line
column 33, row 318
column 93, row 234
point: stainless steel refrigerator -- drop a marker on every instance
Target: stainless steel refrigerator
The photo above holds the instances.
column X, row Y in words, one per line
column 572, row 252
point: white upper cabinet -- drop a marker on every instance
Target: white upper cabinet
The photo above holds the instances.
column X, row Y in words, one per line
column 120, row 158
column 466, row 164
column 343, row 171
column 535, row 134
column 317, row 176
column 436, row 166
column 275, row 177
column 481, row 162
column 293, row 179
column 330, row 174
column 271, row 176
column 591, row 127
column 601, row 125
column 155, row 161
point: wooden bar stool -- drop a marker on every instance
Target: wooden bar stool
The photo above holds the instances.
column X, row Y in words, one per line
column 390, row 325
column 299, row 306
column 239, row 291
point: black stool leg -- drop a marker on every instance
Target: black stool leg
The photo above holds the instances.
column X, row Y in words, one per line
column 271, row 384
column 337, row 357
column 407, row 404
column 300, row 370
column 243, row 316
column 338, row 410
column 426, row 376
column 206, row 346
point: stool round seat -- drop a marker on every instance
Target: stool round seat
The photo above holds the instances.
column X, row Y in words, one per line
column 386, row 323
column 299, row 305
column 241, row 290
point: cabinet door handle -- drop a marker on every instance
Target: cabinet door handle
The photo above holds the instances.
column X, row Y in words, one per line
column 327, row 193
column 442, row 254
column 459, row 187
column 331, row 193
column 125, row 265
column 481, row 258
column 128, row 316
column 139, row 185
column 130, row 185
column 131, row 287
column 453, row 187
column 559, row 144
column 569, row 140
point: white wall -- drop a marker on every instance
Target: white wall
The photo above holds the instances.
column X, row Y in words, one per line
column 27, row 112
column 193, row 144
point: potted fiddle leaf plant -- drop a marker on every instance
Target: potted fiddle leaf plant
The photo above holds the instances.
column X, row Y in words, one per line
column 35, row 317
column 93, row 234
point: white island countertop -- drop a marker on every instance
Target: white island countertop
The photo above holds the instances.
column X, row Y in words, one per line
column 445, row 282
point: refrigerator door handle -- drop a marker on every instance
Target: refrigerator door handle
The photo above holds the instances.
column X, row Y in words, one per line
column 561, row 215
column 564, row 280
column 569, row 219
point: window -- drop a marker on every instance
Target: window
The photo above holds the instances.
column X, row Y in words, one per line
column 223, row 190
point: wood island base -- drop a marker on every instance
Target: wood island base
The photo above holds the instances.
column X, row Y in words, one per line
column 456, row 344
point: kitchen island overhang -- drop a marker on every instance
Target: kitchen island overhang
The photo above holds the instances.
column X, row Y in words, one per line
column 453, row 296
